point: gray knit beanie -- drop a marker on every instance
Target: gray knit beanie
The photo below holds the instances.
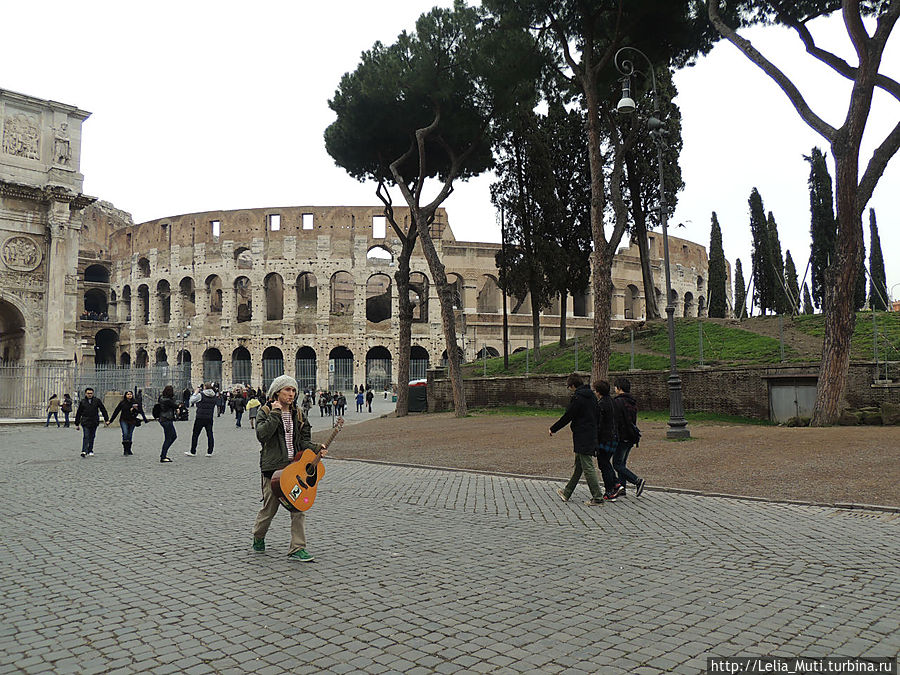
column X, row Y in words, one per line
column 280, row 383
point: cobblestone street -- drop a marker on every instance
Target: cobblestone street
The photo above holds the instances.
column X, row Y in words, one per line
column 114, row 564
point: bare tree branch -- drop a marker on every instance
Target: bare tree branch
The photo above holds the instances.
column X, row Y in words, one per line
column 876, row 167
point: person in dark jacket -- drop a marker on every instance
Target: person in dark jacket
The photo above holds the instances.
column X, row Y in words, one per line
column 606, row 439
column 626, row 418
column 283, row 432
column 88, row 416
column 66, row 408
column 239, row 403
column 166, row 419
column 207, row 403
column 130, row 410
column 582, row 414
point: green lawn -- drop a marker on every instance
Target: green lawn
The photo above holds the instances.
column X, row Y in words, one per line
column 888, row 324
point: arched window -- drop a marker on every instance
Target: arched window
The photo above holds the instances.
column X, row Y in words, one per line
column 273, row 365
column 418, row 295
column 243, row 299
column 445, row 360
column 95, row 305
column 379, row 255
column 418, row 362
column 459, row 290
column 125, row 360
column 489, row 298
column 212, row 366
column 141, row 359
column 161, row 356
column 214, row 289
column 307, row 293
column 241, row 366
column 305, row 368
column 378, row 298
column 632, row 302
column 342, row 293
column 105, row 342
column 126, row 302
column 164, row 296
column 274, row 287
column 144, row 297
column 96, row 274
column 144, row 268
column 188, row 297
column 243, row 259
column 688, row 304
column 340, row 369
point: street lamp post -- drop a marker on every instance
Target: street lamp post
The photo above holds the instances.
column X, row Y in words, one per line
column 677, row 423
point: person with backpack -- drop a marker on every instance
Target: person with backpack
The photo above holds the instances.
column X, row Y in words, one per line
column 607, row 440
column 582, row 413
column 131, row 411
column 66, row 408
column 629, row 435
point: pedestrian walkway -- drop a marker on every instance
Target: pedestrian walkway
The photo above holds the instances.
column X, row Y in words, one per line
column 126, row 565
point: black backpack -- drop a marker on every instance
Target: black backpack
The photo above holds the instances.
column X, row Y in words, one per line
column 156, row 411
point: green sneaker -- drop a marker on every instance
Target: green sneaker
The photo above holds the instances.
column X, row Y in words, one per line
column 259, row 545
column 301, row 556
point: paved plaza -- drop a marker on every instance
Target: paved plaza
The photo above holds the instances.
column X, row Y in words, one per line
column 125, row 565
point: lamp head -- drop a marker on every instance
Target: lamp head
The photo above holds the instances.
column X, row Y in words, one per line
column 626, row 104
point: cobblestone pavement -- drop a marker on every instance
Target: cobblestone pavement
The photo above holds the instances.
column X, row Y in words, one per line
column 126, row 565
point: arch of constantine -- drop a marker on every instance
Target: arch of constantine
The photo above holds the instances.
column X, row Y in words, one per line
column 244, row 295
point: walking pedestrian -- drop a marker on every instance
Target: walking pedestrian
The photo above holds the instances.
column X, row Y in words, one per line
column 582, row 414
column 88, row 416
column 130, row 411
column 166, row 418
column 253, row 410
column 359, row 401
column 282, row 431
column 207, row 402
column 52, row 410
column 626, row 424
column 369, row 397
column 239, row 404
column 66, row 408
column 606, row 440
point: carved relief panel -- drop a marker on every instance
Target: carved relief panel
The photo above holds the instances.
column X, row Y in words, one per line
column 22, row 136
column 21, row 254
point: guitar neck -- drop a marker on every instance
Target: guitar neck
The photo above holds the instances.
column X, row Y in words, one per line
column 334, row 433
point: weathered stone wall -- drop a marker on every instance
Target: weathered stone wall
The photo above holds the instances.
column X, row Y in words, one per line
column 740, row 391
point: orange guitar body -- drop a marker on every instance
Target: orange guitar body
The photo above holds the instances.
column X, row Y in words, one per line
column 295, row 485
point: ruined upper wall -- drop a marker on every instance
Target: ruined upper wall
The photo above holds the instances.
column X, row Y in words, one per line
column 342, row 223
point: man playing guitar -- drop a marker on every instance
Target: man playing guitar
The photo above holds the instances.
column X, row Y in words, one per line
column 284, row 433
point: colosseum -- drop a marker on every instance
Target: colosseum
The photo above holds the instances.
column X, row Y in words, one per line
column 244, row 295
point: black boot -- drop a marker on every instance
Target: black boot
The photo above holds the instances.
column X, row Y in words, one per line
column 126, row 445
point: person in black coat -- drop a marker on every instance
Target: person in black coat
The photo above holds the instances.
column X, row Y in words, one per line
column 606, row 439
column 88, row 416
column 626, row 418
column 167, row 412
column 130, row 409
column 582, row 414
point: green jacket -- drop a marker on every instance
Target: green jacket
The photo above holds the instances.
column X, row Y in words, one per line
column 270, row 432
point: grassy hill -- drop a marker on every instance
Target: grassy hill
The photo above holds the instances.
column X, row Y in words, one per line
column 757, row 340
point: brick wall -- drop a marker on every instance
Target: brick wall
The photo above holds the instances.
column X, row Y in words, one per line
column 740, row 390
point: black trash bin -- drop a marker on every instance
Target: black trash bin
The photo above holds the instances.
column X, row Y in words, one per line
column 418, row 398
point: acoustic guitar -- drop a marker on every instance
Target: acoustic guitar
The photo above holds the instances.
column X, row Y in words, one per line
column 295, row 485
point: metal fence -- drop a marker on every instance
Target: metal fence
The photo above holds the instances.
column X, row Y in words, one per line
column 340, row 374
column 212, row 371
column 271, row 368
column 418, row 369
column 378, row 373
column 25, row 390
column 241, row 371
column 305, row 372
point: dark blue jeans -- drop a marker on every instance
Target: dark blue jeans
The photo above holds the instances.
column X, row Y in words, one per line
column 54, row 416
column 199, row 425
column 87, row 442
column 238, row 414
column 609, row 476
column 619, row 459
column 169, row 437
column 127, row 430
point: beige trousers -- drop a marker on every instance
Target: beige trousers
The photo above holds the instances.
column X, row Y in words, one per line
column 267, row 512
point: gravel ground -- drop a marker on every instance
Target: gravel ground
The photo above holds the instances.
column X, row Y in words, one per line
column 825, row 465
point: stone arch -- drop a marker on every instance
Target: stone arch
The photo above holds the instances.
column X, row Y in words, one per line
column 378, row 368
column 379, row 255
column 458, row 288
column 143, row 268
column 141, row 358
column 632, row 302
column 701, row 306
column 243, row 258
column 274, row 289
column 188, row 297
column 241, row 366
column 491, row 352
column 305, row 368
column 212, row 365
column 342, row 293
column 161, row 357
column 340, row 369
column 699, row 283
column 307, row 292
column 125, row 360
column 164, row 297
column 688, row 304
column 272, row 365
column 673, row 297
column 445, row 360
column 489, row 297
column 214, row 290
column 378, row 298
column 105, row 347
column 144, row 298
column 97, row 274
column 418, row 362
column 243, row 299
column 418, row 295
column 95, row 303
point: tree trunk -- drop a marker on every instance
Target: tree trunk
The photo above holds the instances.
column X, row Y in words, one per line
column 536, row 328
column 563, row 302
column 448, row 319
column 640, row 234
column 405, row 311
column 840, row 314
column 602, row 285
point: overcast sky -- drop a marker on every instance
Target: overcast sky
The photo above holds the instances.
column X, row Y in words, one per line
column 199, row 106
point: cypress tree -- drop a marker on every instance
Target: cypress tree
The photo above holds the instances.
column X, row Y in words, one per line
column 740, row 293
column 716, row 285
column 780, row 302
column 807, row 301
column 790, row 281
column 760, row 257
column 878, row 282
column 823, row 226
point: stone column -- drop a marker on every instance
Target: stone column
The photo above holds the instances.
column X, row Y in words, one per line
column 54, row 347
column 290, row 304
